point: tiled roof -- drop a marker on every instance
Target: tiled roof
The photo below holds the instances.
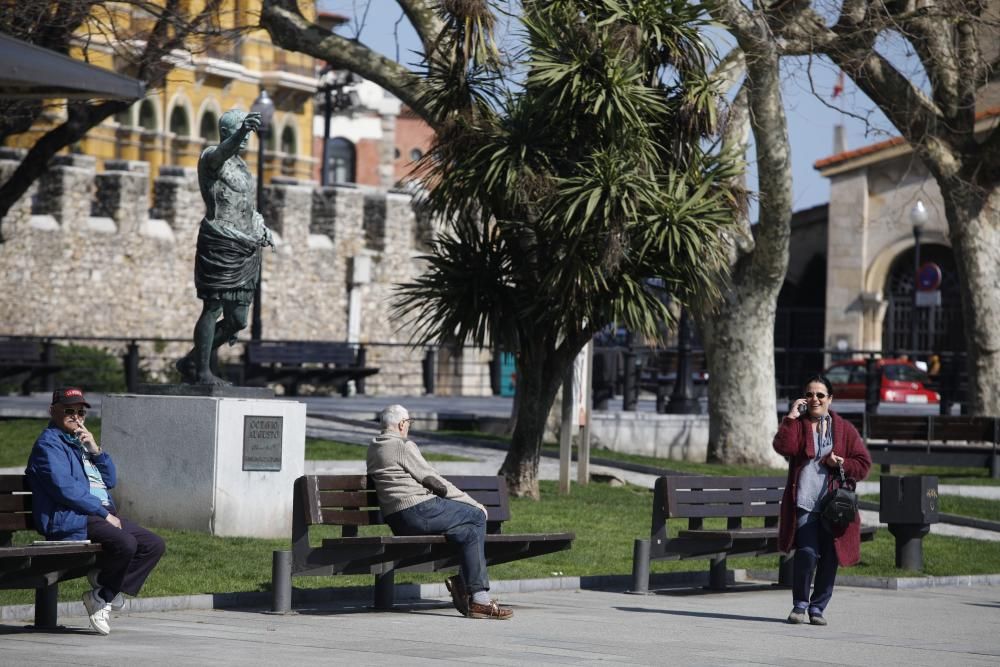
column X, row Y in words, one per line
column 883, row 145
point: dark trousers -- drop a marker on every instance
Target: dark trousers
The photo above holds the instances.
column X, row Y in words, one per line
column 814, row 552
column 129, row 554
column 461, row 523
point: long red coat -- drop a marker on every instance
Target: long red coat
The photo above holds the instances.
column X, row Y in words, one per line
column 794, row 441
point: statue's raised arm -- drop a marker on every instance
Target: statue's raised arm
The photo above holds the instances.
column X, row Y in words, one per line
column 215, row 156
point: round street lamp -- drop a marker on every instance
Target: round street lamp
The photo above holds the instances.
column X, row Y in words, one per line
column 918, row 218
column 265, row 107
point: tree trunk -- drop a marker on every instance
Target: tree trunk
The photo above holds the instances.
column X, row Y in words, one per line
column 537, row 383
column 974, row 225
column 739, row 338
column 739, row 345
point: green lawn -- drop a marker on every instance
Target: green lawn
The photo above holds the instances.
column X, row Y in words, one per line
column 605, row 519
column 979, row 508
column 18, row 435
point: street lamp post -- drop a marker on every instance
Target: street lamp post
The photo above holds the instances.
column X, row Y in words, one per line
column 265, row 107
column 918, row 217
column 335, row 98
column 682, row 399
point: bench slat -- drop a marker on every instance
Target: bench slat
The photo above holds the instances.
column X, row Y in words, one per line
column 730, row 496
column 682, row 511
column 13, row 483
column 339, row 482
column 16, row 522
column 352, row 517
column 352, row 499
column 15, row 503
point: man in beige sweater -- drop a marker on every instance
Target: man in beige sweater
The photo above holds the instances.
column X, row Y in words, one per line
column 416, row 500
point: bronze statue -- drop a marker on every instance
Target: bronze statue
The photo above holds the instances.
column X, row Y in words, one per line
column 230, row 239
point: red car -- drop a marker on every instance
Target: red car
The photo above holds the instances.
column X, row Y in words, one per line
column 902, row 382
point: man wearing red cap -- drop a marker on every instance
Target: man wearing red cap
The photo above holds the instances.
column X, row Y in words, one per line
column 70, row 478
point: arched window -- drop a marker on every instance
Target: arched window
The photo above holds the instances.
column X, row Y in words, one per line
column 288, row 144
column 147, row 115
column 124, row 118
column 179, row 124
column 209, row 128
column 341, row 155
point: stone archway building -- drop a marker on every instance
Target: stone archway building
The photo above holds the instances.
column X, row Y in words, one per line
column 869, row 242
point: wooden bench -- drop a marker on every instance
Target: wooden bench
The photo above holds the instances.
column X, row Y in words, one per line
column 37, row 361
column 697, row 498
column 41, row 567
column 292, row 363
column 933, row 440
column 348, row 501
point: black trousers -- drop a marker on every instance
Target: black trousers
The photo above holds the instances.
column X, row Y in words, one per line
column 129, row 554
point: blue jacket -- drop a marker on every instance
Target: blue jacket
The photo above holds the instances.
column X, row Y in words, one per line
column 61, row 500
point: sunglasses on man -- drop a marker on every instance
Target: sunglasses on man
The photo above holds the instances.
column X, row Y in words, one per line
column 79, row 412
column 820, row 395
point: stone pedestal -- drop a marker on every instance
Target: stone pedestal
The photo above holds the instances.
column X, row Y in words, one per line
column 224, row 466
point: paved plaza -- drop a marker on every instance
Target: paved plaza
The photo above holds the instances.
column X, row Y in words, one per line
column 933, row 627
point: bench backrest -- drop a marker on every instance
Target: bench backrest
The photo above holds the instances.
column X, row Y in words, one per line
column 932, row 428
column 15, row 507
column 301, row 352
column 350, row 501
column 698, row 498
column 19, row 350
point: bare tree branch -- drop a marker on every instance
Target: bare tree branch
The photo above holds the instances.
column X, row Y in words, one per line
column 291, row 30
column 424, row 19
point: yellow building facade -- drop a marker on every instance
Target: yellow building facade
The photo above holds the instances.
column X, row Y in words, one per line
column 174, row 123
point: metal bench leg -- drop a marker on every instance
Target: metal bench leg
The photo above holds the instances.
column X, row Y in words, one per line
column 640, row 567
column 717, row 573
column 786, row 564
column 46, row 606
column 281, row 582
column 995, row 466
column 385, row 588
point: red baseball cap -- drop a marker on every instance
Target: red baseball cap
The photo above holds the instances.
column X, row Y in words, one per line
column 69, row 396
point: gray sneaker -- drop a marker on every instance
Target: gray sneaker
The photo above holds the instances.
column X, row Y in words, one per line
column 118, row 603
column 817, row 619
column 98, row 611
column 797, row 616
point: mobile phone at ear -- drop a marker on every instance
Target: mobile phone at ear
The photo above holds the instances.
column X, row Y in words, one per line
column 803, row 408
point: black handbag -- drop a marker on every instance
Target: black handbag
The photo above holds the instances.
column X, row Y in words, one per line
column 840, row 505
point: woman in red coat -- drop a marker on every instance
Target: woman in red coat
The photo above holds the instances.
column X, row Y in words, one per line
column 815, row 441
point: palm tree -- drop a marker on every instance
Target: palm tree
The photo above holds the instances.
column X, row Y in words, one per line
column 571, row 179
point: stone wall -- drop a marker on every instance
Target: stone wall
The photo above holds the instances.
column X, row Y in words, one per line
column 88, row 255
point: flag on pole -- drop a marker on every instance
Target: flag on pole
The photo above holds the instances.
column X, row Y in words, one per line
column 838, row 87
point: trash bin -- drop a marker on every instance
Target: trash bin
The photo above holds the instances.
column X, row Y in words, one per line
column 909, row 505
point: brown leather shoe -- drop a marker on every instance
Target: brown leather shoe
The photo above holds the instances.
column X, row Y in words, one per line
column 491, row 610
column 459, row 596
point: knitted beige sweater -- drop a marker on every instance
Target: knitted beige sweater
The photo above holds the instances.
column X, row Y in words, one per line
column 402, row 477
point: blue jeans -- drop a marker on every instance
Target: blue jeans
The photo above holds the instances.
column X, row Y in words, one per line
column 814, row 551
column 462, row 524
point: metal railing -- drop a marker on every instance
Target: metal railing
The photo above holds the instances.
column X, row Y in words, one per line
column 112, row 364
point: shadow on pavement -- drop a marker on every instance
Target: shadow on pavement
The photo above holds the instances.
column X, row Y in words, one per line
column 704, row 614
column 58, row 630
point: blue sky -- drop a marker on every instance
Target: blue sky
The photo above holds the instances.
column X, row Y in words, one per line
column 810, row 117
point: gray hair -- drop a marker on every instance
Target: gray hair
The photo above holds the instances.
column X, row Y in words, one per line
column 392, row 415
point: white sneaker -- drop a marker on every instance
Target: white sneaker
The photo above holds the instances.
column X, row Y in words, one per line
column 118, row 603
column 99, row 612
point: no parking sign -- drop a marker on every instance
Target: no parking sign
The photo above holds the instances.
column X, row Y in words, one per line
column 928, row 281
